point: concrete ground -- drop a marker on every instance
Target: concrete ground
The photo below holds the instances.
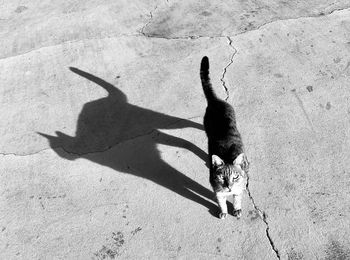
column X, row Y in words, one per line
column 103, row 153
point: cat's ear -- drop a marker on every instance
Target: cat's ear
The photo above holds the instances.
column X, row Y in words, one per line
column 239, row 159
column 216, row 160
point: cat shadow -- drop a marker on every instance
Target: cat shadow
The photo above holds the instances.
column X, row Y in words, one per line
column 111, row 120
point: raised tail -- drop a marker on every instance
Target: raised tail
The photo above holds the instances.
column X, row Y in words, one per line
column 206, row 84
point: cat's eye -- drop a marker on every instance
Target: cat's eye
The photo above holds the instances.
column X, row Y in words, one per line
column 235, row 176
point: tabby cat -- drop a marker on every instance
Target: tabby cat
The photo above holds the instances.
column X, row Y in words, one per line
column 228, row 163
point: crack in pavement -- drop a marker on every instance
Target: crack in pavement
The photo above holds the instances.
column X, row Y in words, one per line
column 321, row 14
column 141, row 32
column 263, row 216
column 225, row 69
column 150, row 19
column 98, row 151
column 190, row 37
column 262, row 213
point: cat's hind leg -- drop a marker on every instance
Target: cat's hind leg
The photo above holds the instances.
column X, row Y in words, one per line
column 221, row 198
column 237, row 205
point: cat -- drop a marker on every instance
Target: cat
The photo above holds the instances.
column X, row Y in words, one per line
column 228, row 162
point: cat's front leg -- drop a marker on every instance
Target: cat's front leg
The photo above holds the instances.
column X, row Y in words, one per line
column 237, row 205
column 221, row 198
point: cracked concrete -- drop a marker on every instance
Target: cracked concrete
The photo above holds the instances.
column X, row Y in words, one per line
column 140, row 32
column 263, row 216
column 321, row 14
column 225, row 69
column 301, row 144
column 113, row 89
column 150, row 19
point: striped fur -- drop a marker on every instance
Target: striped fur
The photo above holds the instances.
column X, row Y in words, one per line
column 228, row 164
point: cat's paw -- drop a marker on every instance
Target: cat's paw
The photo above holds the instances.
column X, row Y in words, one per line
column 222, row 215
column 237, row 213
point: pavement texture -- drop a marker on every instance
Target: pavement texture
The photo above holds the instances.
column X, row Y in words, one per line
column 103, row 153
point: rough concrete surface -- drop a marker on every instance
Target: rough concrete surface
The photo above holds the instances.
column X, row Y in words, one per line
column 103, row 153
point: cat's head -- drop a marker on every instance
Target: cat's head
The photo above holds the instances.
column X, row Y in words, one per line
column 227, row 174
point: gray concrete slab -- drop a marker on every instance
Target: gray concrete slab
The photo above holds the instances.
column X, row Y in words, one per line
column 103, row 152
column 289, row 83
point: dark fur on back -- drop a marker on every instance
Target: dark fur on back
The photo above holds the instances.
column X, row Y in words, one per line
column 224, row 140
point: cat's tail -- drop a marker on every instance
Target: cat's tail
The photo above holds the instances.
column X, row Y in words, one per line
column 206, row 84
